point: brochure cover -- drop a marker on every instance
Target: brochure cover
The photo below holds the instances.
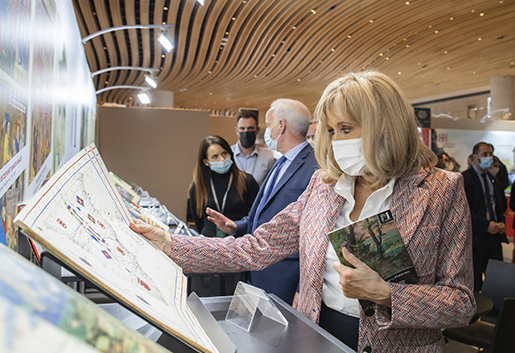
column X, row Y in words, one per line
column 377, row 242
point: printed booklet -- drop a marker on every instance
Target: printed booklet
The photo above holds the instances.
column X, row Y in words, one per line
column 377, row 242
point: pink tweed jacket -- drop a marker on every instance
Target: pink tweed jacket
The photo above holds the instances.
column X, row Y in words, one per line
column 431, row 212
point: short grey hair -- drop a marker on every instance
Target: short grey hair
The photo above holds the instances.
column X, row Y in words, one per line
column 295, row 113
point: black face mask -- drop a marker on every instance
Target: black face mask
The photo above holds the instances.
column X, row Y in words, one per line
column 247, row 138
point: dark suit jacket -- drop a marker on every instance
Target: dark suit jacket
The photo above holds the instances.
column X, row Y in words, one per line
column 476, row 201
column 512, row 202
column 282, row 278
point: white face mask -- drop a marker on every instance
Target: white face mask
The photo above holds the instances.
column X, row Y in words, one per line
column 268, row 137
column 349, row 156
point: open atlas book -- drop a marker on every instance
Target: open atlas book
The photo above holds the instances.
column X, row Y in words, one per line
column 81, row 219
column 376, row 241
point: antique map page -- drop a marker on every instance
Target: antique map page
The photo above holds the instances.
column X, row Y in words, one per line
column 80, row 217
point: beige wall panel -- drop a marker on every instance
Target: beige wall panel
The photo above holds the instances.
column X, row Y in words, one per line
column 155, row 148
column 224, row 126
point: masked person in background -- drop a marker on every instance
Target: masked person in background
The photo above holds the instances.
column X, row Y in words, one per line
column 251, row 158
column 220, row 185
column 310, row 137
column 371, row 160
column 487, row 204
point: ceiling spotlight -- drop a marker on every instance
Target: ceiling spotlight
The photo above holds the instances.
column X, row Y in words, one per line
column 150, row 79
column 143, row 97
column 201, row 2
column 165, row 40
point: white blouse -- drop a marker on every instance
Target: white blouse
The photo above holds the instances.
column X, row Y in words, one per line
column 378, row 201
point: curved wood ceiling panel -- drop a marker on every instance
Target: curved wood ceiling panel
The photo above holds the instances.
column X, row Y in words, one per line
column 246, row 53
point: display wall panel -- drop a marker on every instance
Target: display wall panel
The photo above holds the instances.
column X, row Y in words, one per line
column 155, row 148
column 44, row 78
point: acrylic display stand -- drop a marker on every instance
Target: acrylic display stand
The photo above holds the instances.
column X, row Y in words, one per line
column 249, row 301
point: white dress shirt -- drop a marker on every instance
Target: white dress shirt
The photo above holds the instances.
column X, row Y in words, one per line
column 378, row 201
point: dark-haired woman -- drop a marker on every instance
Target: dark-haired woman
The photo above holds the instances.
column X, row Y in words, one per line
column 220, row 185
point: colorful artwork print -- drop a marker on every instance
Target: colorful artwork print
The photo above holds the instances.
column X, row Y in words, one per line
column 24, row 285
column 13, row 118
column 20, row 332
column 8, row 210
column 59, row 130
column 44, row 27
column 41, row 144
column 14, row 34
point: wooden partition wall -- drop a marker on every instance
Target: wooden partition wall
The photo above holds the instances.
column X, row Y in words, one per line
column 155, row 148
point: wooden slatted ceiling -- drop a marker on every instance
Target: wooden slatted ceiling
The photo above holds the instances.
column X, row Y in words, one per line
column 235, row 53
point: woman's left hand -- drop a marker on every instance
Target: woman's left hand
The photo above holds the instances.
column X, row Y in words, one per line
column 362, row 282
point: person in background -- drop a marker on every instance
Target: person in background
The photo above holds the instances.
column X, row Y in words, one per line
column 310, row 136
column 512, row 206
column 287, row 123
column 498, row 170
column 251, row 158
column 487, row 204
column 219, row 184
column 371, row 160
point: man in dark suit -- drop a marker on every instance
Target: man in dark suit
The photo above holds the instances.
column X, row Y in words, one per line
column 287, row 124
column 487, row 204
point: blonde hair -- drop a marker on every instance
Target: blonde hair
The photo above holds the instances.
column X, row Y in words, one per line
column 391, row 144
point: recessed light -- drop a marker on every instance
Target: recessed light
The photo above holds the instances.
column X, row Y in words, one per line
column 210, row 93
column 298, row 79
column 313, row 11
column 474, row 73
column 165, row 8
column 448, row 68
column 371, row 21
column 209, row 72
column 380, row 54
column 294, row 27
column 349, row 36
column 430, row 26
column 407, row 2
column 445, row 52
column 479, row 39
column 420, row 63
column 332, row 49
column 407, row 45
column 452, row 18
column 436, row 31
column 234, row 18
column 387, row 58
column 481, row 14
column 399, row 72
column 473, row 10
column 163, row 56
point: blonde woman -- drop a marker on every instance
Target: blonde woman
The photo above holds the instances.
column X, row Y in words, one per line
column 371, row 160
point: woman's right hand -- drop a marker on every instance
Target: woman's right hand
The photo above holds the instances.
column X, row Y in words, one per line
column 157, row 236
column 223, row 223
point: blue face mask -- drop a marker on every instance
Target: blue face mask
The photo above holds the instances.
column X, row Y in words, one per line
column 486, row 162
column 268, row 138
column 221, row 167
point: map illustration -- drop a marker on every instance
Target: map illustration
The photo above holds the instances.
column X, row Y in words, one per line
column 80, row 217
column 34, row 302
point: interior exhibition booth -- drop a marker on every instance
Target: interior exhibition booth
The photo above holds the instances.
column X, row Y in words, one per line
column 104, row 104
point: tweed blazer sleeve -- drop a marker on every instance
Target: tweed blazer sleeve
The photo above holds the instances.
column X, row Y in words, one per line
column 271, row 243
column 441, row 249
